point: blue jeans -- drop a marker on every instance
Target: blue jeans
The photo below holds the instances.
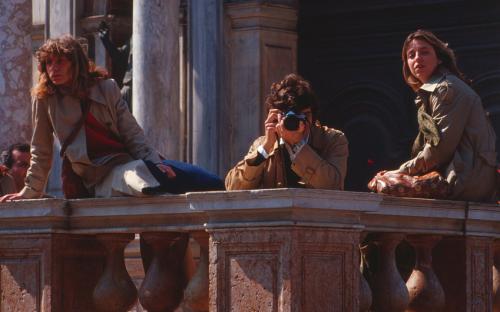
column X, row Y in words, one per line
column 189, row 178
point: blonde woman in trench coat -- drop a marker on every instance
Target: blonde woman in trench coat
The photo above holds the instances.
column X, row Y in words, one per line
column 67, row 79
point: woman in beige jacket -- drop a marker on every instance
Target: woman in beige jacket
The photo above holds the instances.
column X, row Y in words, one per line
column 455, row 137
column 109, row 142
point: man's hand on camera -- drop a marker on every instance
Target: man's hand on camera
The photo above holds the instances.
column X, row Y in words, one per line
column 273, row 117
column 292, row 137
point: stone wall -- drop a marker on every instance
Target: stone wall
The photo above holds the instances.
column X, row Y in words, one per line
column 15, row 71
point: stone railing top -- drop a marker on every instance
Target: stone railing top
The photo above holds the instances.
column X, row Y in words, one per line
column 277, row 207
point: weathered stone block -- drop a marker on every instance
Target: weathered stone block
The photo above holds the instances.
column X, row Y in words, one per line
column 284, row 269
column 49, row 272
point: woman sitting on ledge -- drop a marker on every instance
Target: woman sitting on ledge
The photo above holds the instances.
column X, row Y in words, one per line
column 104, row 150
column 455, row 137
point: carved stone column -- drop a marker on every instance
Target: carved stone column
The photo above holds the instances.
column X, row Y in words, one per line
column 163, row 285
column 479, row 282
column 155, row 44
column 206, row 81
column 15, row 72
column 196, row 293
column 389, row 290
column 496, row 277
column 262, row 37
column 426, row 293
column 115, row 291
column 463, row 266
column 62, row 20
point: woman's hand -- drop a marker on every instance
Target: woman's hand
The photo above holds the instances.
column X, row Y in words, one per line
column 166, row 170
column 11, row 197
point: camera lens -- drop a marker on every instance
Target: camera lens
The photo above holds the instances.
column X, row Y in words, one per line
column 291, row 122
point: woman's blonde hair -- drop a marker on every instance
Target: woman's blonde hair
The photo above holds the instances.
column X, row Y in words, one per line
column 443, row 53
column 85, row 73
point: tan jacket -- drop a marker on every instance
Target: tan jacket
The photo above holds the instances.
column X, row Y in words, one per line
column 465, row 154
column 322, row 164
column 7, row 185
column 57, row 115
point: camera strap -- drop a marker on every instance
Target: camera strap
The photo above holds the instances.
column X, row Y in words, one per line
column 283, row 166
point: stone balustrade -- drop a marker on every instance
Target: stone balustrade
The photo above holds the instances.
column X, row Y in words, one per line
column 261, row 250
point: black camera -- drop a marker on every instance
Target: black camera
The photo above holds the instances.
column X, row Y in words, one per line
column 291, row 120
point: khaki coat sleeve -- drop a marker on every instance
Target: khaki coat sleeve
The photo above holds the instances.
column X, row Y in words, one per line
column 130, row 132
column 325, row 171
column 450, row 111
column 245, row 176
column 41, row 151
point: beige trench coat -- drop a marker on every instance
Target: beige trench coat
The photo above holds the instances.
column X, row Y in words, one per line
column 321, row 164
column 466, row 153
column 57, row 115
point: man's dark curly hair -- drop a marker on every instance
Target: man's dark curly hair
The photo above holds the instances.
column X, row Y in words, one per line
column 7, row 159
column 292, row 93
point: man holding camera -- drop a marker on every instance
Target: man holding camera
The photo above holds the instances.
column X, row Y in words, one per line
column 296, row 151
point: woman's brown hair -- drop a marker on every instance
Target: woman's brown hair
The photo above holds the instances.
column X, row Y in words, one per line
column 85, row 73
column 292, row 93
column 443, row 53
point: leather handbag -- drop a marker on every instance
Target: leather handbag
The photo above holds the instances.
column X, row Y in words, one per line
column 430, row 185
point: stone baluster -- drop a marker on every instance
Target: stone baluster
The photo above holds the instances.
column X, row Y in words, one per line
column 496, row 277
column 196, row 293
column 365, row 293
column 424, row 288
column 163, row 285
column 389, row 290
column 115, row 291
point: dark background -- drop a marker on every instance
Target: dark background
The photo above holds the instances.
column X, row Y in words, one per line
column 351, row 53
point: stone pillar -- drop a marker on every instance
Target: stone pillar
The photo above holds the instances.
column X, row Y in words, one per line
column 100, row 54
column 479, row 280
column 61, row 19
column 205, row 22
column 155, row 42
column 283, row 269
column 15, row 72
column 263, row 49
column 464, row 268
